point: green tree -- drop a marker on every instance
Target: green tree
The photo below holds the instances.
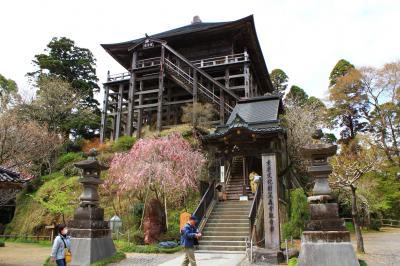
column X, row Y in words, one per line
column 348, row 101
column 297, row 94
column 279, row 80
column 76, row 65
column 8, row 93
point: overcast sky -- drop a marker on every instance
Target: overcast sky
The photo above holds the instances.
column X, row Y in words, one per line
column 304, row 38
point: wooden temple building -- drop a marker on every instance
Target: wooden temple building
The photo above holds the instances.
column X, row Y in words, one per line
column 219, row 63
column 222, row 64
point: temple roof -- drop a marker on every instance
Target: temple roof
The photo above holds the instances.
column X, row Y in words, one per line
column 8, row 176
column 256, row 110
column 258, row 115
column 192, row 33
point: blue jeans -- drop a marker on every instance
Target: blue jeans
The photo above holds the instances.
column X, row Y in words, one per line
column 61, row 262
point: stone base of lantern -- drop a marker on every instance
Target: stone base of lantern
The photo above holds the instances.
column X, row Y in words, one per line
column 86, row 251
column 266, row 256
column 327, row 248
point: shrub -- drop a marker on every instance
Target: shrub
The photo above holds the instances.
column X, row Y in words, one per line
column 375, row 224
column 95, row 144
column 299, row 214
column 2, row 244
column 69, row 157
column 123, row 143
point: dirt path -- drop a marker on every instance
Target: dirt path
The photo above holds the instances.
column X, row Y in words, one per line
column 382, row 248
column 19, row 254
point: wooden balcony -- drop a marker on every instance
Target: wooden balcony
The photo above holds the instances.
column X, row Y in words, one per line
column 202, row 63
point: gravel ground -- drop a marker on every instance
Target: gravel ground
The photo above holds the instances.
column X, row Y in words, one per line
column 146, row 259
column 20, row 254
column 382, row 248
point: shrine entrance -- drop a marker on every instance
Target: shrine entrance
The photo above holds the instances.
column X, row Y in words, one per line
column 251, row 149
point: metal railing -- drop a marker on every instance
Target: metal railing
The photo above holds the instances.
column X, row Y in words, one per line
column 205, row 202
column 254, row 209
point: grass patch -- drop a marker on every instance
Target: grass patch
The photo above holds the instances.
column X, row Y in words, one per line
column 125, row 247
column 2, row 244
column 117, row 257
column 42, row 243
column 362, row 263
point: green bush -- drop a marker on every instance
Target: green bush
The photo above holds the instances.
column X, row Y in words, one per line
column 126, row 247
column 2, row 244
column 299, row 214
column 362, row 263
column 349, row 226
column 123, row 143
column 67, row 158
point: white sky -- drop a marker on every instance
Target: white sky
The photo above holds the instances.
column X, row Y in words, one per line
column 304, row 38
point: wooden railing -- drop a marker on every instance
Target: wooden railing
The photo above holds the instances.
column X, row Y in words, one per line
column 390, row 222
column 254, row 209
column 205, row 202
column 208, row 62
column 221, row 60
column 25, row 237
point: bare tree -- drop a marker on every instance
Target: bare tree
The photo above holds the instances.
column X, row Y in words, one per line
column 301, row 122
column 25, row 145
column 349, row 168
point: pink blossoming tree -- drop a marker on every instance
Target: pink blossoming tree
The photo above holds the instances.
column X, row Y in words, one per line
column 165, row 168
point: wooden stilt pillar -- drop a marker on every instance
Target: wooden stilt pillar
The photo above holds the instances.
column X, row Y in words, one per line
column 222, row 98
column 246, row 80
column 119, row 111
column 195, row 98
column 140, row 112
column 160, row 90
column 169, row 106
column 131, row 95
column 104, row 114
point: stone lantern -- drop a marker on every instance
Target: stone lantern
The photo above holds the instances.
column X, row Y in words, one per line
column 90, row 234
column 325, row 241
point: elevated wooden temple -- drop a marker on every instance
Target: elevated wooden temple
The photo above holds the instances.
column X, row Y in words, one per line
column 219, row 63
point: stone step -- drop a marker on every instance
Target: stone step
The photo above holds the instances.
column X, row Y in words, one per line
column 227, row 225
column 234, row 202
column 221, row 243
column 239, row 233
column 223, row 238
column 221, row 220
column 228, row 216
column 222, row 248
column 220, row 251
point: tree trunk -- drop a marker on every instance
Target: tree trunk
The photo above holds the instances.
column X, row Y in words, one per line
column 354, row 214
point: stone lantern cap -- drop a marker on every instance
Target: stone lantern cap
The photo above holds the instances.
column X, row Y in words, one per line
column 318, row 149
column 91, row 163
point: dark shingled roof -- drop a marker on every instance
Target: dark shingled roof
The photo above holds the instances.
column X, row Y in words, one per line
column 258, row 115
column 10, row 176
column 257, row 110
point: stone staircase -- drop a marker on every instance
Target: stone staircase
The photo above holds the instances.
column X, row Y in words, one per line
column 226, row 228
column 234, row 188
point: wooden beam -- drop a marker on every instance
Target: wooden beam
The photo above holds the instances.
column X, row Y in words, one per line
column 160, row 90
column 131, row 95
column 119, row 109
column 246, row 80
column 195, row 97
column 222, row 98
column 140, row 113
column 146, row 92
column 104, row 114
